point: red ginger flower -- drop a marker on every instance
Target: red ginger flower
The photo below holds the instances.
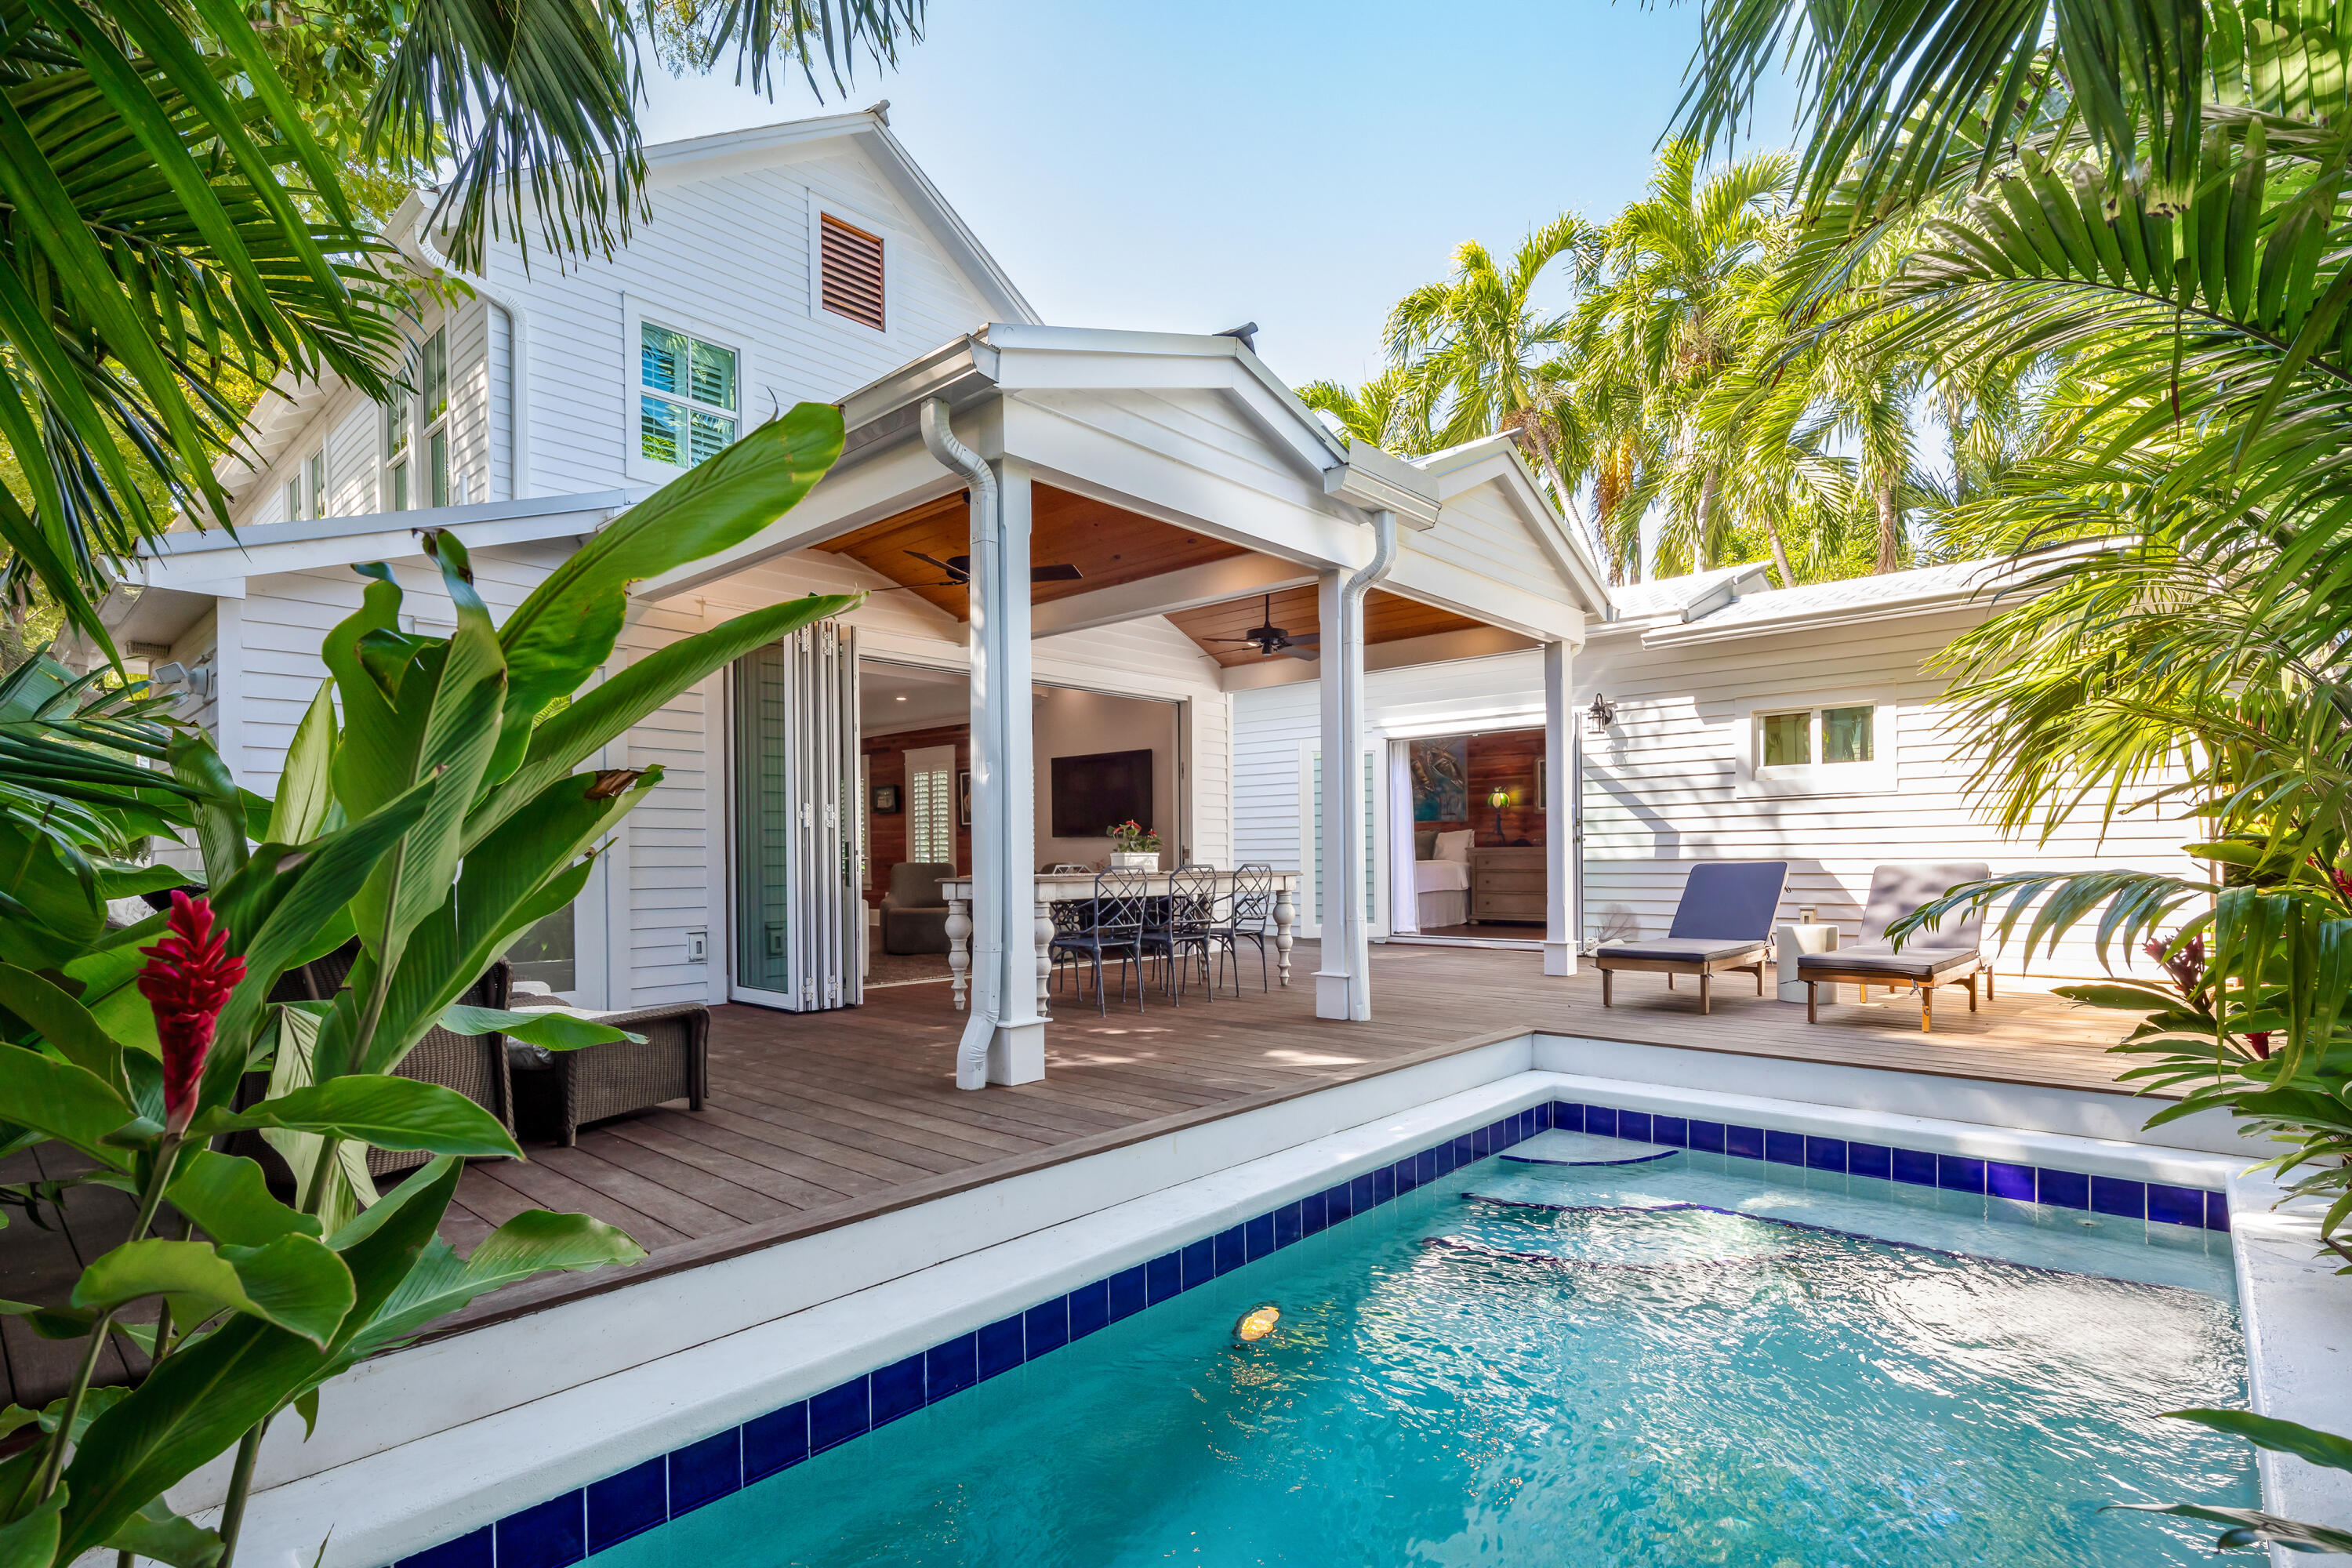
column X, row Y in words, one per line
column 187, row 980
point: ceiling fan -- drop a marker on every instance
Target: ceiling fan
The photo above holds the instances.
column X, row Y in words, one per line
column 959, row 570
column 1270, row 640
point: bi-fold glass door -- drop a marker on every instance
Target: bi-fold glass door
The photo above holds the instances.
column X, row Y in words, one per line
column 800, row 912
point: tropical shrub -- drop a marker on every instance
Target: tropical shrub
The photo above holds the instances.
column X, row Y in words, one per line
column 432, row 806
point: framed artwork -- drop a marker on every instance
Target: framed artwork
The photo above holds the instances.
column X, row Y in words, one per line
column 886, row 800
column 964, row 798
column 1441, row 779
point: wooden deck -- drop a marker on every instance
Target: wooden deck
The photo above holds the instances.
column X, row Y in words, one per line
column 820, row 1120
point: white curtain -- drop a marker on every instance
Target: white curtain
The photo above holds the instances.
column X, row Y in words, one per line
column 1405, row 895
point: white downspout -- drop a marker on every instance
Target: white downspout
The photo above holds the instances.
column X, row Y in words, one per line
column 1354, row 934
column 518, row 366
column 988, row 967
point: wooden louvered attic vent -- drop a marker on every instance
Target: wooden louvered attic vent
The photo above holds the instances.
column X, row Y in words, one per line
column 852, row 271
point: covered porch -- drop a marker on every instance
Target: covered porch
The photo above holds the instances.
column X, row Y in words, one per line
column 1050, row 488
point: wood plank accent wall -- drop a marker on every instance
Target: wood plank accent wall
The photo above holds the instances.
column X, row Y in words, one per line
column 886, row 761
column 1507, row 758
column 1388, row 617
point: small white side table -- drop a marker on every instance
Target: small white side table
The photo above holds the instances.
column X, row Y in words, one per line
column 1794, row 939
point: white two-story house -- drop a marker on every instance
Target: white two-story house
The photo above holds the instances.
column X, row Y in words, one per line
column 1187, row 492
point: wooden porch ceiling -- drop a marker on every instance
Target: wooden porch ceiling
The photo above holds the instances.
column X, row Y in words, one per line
column 1110, row 544
column 1388, row 617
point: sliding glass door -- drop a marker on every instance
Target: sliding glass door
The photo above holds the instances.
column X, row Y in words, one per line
column 800, row 916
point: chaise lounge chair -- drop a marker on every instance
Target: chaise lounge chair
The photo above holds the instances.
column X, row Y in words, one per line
column 1927, row 959
column 1723, row 923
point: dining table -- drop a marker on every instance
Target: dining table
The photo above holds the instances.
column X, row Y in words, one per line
column 1064, row 887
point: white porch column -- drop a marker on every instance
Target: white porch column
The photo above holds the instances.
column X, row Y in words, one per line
column 1004, row 1039
column 1560, row 939
column 1343, row 983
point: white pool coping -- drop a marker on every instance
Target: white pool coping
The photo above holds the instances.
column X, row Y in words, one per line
column 841, row 1302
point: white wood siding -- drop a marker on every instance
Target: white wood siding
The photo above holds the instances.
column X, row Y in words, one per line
column 727, row 256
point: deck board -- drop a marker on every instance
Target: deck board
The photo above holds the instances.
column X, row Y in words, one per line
column 820, row 1120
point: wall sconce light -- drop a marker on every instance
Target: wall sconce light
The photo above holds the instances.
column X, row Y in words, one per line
column 1498, row 799
column 1600, row 715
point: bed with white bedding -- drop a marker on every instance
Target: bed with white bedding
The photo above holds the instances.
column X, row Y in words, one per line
column 1441, row 893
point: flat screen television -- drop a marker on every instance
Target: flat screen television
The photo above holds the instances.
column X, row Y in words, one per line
column 1093, row 792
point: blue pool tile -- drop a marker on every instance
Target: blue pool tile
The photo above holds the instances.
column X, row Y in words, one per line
column 1748, row 1143
column 2004, row 1180
column 1672, row 1130
column 1481, row 1143
column 1444, row 1152
column 627, row 1504
column 1257, row 1236
column 1543, row 1116
column 2113, row 1194
column 1361, row 1193
column 1163, row 1276
column 1634, row 1124
column 1600, row 1119
column 1784, row 1148
column 1960, row 1174
column 1287, row 1226
column 1233, row 1249
column 1708, row 1137
column 1824, row 1153
column 1047, row 1327
column 2176, row 1205
column 1870, row 1160
column 550, row 1535
column 1090, row 1309
column 1128, row 1293
column 467, row 1552
column 1915, row 1166
column 706, row 1471
column 1464, row 1154
column 1568, row 1117
column 1384, row 1187
column 1407, row 1173
column 1424, row 1167
column 2217, row 1211
column 954, row 1364
column 1312, row 1216
column 1200, row 1262
column 838, row 1415
column 1001, row 1346
column 776, row 1441
column 1339, row 1202
column 2063, row 1189
column 897, row 1389
column 1526, row 1121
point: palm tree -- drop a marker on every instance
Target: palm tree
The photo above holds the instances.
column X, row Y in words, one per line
column 1385, row 412
column 174, row 233
column 1683, row 271
column 1479, row 355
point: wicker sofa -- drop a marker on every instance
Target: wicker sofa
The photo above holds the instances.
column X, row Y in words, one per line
column 558, row 1092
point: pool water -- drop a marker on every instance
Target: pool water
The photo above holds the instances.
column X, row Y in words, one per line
column 1689, row 1361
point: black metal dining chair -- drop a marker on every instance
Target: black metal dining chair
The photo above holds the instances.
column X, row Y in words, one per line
column 1250, row 918
column 1179, row 932
column 1107, row 926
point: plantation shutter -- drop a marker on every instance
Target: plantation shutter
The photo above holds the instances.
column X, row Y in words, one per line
column 851, row 268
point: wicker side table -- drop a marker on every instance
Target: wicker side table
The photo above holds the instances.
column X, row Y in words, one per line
column 556, row 1093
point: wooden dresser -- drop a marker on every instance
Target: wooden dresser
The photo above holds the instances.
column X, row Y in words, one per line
column 1508, row 884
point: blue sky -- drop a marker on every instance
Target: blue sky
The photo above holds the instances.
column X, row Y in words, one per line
column 1191, row 167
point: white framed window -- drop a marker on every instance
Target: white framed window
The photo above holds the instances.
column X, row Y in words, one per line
column 1838, row 746
column 294, row 498
column 314, row 484
column 398, row 434
column 930, row 805
column 433, row 415
column 685, row 394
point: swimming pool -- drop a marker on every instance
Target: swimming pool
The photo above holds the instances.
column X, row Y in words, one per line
column 1695, row 1358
